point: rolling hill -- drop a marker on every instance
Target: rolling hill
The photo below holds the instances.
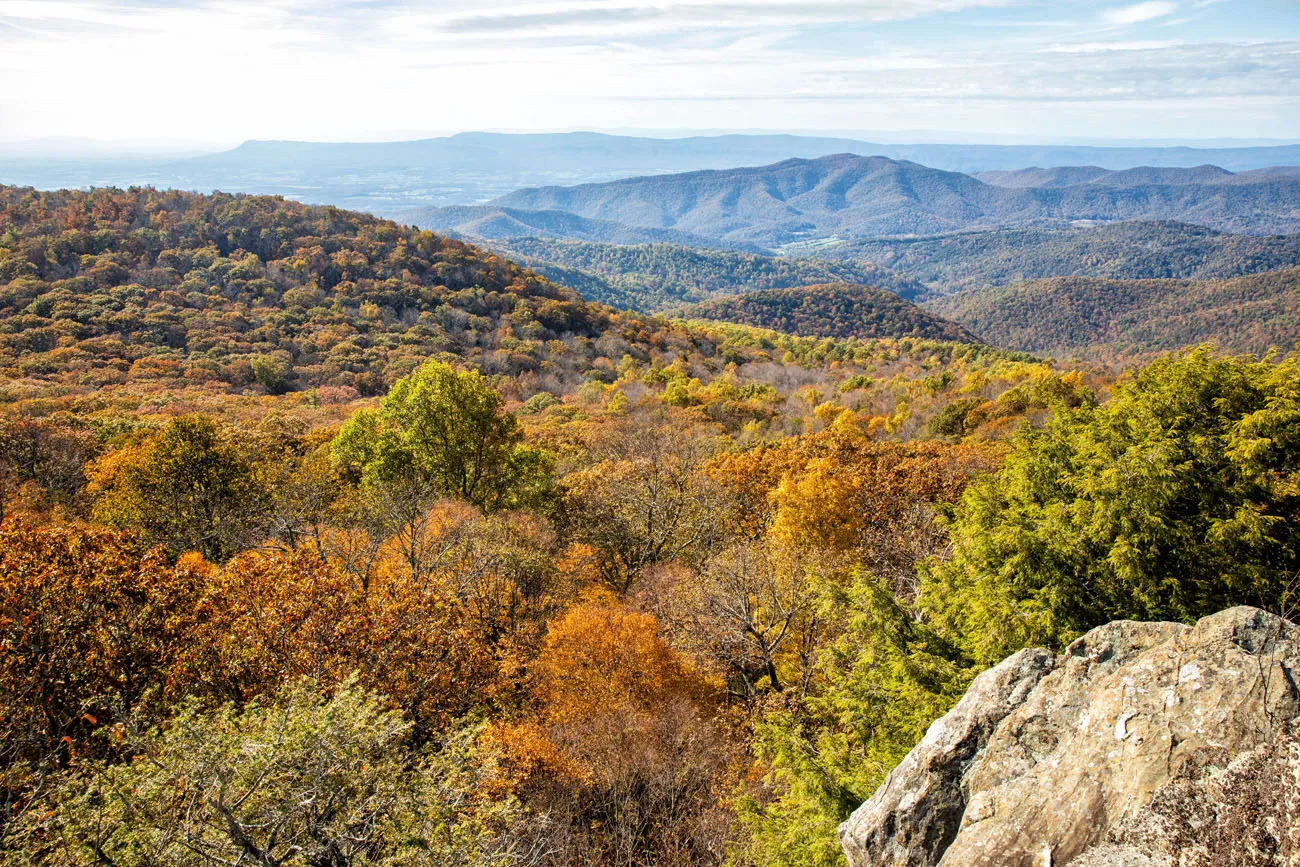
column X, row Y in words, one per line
column 1130, row 250
column 1100, row 319
column 162, row 293
column 652, row 277
column 835, row 310
column 110, row 287
column 848, row 196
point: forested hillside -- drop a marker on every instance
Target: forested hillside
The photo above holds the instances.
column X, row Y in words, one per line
column 1124, row 251
column 658, row 276
column 1119, row 320
column 140, row 292
column 328, row 541
column 239, row 290
column 831, row 310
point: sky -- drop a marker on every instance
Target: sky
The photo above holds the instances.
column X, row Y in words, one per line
column 222, row 71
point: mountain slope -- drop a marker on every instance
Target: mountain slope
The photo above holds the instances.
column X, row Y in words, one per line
column 784, row 202
column 834, row 310
column 1110, row 319
column 1130, row 250
column 851, row 196
column 652, row 277
column 171, row 295
column 113, row 286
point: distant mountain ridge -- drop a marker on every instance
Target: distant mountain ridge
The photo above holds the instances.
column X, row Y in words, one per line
column 845, row 195
column 470, row 168
column 783, row 202
column 1068, row 176
column 607, row 152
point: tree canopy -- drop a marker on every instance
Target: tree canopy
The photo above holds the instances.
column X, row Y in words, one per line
column 444, row 432
column 832, row 310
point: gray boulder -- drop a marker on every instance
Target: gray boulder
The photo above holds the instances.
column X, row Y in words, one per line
column 1057, row 760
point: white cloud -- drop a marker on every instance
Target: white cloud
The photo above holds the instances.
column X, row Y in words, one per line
column 1139, row 12
column 363, row 69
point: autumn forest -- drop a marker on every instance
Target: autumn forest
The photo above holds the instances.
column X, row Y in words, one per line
column 331, row 541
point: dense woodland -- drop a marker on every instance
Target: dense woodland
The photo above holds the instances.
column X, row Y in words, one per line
column 330, row 542
column 203, row 287
column 1121, row 251
column 1115, row 320
column 831, row 310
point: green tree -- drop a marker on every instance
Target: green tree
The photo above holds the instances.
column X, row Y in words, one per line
column 188, row 488
column 1177, row 498
column 272, row 373
column 444, row 432
column 300, row 781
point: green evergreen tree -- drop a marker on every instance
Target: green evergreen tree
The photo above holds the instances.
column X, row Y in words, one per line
column 1177, row 498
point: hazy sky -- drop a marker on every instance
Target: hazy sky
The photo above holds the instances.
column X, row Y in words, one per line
column 227, row 70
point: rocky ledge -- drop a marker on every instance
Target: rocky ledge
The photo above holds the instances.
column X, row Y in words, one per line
column 1141, row 744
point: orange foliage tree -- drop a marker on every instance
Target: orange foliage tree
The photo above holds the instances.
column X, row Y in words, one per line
column 91, row 625
column 839, row 492
column 621, row 752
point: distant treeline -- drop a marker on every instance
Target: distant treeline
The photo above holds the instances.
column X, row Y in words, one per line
column 1118, row 320
column 1127, row 251
column 834, row 310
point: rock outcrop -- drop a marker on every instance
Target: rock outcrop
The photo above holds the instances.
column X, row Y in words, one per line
column 1130, row 748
